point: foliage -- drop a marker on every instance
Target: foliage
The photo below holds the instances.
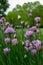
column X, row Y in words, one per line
column 34, row 8
column 3, row 5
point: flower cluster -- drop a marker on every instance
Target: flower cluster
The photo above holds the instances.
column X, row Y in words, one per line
column 11, row 35
column 33, row 45
column 8, row 40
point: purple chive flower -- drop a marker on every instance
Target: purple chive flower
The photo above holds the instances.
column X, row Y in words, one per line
column 30, row 14
column 9, row 30
column 37, row 19
column 34, row 42
column 6, row 50
column 29, row 34
column 7, row 23
column 33, row 51
column 39, row 48
column 14, row 41
column 33, row 28
column 30, row 47
column 7, row 40
column 37, row 44
column 1, row 21
column 27, row 43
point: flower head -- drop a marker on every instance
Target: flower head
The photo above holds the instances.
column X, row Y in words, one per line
column 27, row 43
column 7, row 23
column 33, row 28
column 33, row 51
column 14, row 41
column 30, row 47
column 1, row 21
column 9, row 30
column 30, row 14
column 29, row 34
column 7, row 40
column 6, row 50
column 37, row 44
column 37, row 19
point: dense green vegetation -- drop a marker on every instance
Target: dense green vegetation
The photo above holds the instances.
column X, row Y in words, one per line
column 34, row 8
column 3, row 6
